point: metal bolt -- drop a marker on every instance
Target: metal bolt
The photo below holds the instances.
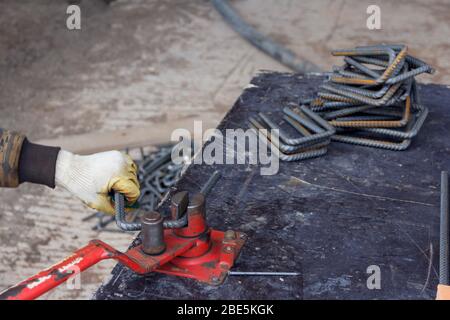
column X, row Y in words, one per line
column 230, row 235
column 228, row 249
column 215, row 280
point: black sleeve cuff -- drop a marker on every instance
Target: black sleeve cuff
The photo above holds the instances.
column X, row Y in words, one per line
column 37, row 164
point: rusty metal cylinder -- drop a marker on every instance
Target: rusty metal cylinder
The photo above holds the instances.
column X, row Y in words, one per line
column 196, row 218
column 152, row 234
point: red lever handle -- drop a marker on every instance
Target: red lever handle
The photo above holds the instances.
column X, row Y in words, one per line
column 80, row 260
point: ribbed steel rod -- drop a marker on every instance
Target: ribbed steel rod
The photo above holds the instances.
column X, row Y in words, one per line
column 121, row 222
column 211, row 183
column 443, row 246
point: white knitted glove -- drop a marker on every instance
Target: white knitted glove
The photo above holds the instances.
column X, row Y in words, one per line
column 92, row 178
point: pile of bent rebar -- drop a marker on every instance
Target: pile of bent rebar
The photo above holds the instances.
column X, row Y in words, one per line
column 311, row 139
column 372, row 99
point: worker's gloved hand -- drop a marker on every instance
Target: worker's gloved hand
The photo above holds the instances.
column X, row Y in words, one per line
column 92, row 178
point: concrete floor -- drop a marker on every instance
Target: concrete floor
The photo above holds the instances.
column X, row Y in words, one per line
column 145, row 61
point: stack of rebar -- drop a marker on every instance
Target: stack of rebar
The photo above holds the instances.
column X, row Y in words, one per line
column 309, row 138
column 372, row 99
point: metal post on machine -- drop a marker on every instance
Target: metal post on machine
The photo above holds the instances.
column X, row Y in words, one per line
column 152, row 233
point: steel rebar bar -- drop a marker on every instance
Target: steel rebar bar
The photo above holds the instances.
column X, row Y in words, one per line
column 444, row 229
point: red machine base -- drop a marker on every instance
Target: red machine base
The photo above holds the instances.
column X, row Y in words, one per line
column 211, row 267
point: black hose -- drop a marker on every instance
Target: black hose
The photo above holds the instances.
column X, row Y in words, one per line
column 443, row 246
column 263, row 43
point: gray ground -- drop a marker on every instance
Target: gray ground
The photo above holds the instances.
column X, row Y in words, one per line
column 141, row 61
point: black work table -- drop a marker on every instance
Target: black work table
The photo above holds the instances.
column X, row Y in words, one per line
column 328, row 218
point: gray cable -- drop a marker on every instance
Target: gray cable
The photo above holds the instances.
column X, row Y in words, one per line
column 268, row 46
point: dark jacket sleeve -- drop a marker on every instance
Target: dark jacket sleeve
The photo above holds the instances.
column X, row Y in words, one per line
column 23, row 161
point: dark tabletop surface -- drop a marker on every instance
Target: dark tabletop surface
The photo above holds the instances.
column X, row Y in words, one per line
column 328, row 218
